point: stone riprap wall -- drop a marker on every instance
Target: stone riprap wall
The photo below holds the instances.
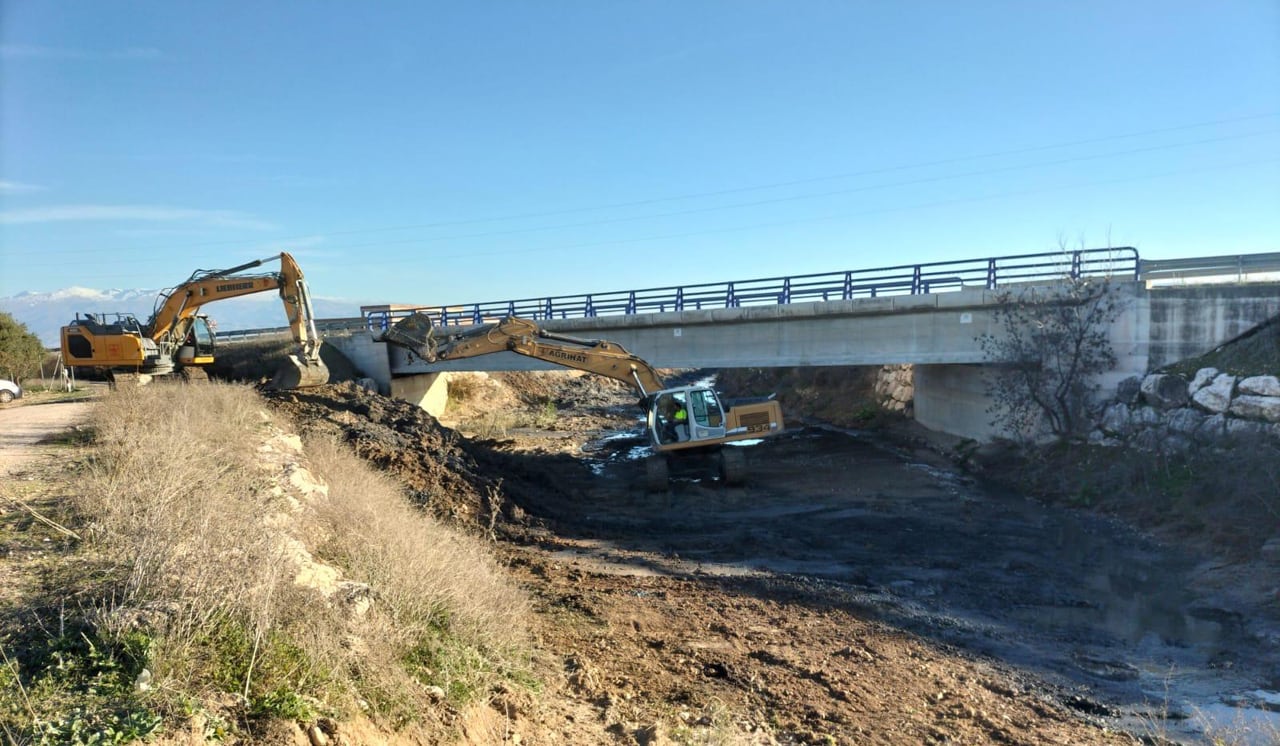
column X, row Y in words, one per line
column 1166, row 412
column 895, row 387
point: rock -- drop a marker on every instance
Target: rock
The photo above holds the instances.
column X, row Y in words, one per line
column 1257, row 407
column 435, row 693
column 1260, row 385
column 1116, row 419
column 316, row 736
column 650, row 735
column 1270, row 552
column 1127, row 390
column 1212, row 429
column 1203, row 378
column 1246, row 430
column 1216, row 397
column 1145, row 417
column 1176, row 443
column 355, row 597
column 1184, row 420
column 1149, row 440
column 1164, row 390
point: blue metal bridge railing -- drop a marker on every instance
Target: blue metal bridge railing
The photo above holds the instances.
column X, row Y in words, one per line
column 906, row 279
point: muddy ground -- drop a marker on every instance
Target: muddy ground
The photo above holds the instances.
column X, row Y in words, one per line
column 854, row 592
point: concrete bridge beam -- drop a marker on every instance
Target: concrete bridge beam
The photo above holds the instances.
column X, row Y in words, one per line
column 938, row 333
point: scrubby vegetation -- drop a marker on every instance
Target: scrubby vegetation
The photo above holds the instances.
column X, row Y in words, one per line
column 1230, row 499
column 183, row 605
column 1230, row 496
column 20, row 350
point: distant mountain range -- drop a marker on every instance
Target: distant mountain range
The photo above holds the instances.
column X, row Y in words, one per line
column 46, row 313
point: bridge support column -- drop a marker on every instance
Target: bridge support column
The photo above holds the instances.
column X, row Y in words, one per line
column 369, row 357
column 953, row 399
column 428, row 390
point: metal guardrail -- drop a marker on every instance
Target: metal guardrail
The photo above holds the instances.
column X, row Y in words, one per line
column 1239, row 265
column 355, row 323
column 906, row 279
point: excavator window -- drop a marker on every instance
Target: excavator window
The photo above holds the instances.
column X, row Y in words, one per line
column 202, row 336
column 706, row 408
column 78, row 347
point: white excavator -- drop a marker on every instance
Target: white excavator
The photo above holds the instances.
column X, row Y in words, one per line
column 689, row 427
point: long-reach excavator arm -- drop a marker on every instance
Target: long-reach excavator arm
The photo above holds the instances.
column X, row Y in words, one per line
column 683, row 421
column 176, row 325
column 524, row 337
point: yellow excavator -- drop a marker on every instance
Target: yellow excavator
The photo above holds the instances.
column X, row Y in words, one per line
column 178, row 338
column 688, row 426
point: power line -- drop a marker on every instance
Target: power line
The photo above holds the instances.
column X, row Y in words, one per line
column 698, row 195
column 821, row 218
column 777, row 200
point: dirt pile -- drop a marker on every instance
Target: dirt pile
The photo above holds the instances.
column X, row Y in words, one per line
column 477, row 484
column 400, row 438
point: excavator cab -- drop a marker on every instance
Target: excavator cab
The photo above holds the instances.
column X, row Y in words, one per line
column 197, row 349
column 689, row 415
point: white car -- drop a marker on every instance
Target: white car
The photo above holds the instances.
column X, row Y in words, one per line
column 9, row 391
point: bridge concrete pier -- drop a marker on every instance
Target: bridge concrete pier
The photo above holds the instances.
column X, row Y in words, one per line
column 952, row 399
column 428, row 390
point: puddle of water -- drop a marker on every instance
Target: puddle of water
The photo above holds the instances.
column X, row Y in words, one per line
column 1237, row 722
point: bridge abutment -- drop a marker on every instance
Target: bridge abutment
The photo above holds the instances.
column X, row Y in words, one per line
column 427, row 390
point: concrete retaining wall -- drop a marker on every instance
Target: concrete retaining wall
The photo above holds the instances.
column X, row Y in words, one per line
column 1190, row 321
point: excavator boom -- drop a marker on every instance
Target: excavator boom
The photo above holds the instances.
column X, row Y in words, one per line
column 526, row 338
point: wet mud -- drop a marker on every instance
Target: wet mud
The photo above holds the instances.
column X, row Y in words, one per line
column 1068, row 622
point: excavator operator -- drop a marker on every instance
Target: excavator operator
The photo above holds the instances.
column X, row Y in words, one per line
column 674, row 418
column 681, row 418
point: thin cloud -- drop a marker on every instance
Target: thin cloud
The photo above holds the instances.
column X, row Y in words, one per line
column 42, row 52
column 18, row 187
column 134, row 213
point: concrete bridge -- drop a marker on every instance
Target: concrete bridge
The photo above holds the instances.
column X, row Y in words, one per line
column 936, row 331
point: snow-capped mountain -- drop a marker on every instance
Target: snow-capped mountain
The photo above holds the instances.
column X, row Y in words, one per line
column 46, row 313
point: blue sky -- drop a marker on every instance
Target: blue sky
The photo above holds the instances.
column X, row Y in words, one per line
column 430, row 152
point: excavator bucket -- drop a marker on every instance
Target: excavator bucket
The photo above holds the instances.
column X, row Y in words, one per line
column 415, row 332
column 296, row 373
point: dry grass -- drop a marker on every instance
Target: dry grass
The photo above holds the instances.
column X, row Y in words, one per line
column 443, row 606
column 183, row 514
column 178, row 503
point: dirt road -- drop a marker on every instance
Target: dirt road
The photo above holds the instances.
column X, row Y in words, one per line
column 23, row 425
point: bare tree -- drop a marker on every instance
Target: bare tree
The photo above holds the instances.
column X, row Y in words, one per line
column 1050, row 346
